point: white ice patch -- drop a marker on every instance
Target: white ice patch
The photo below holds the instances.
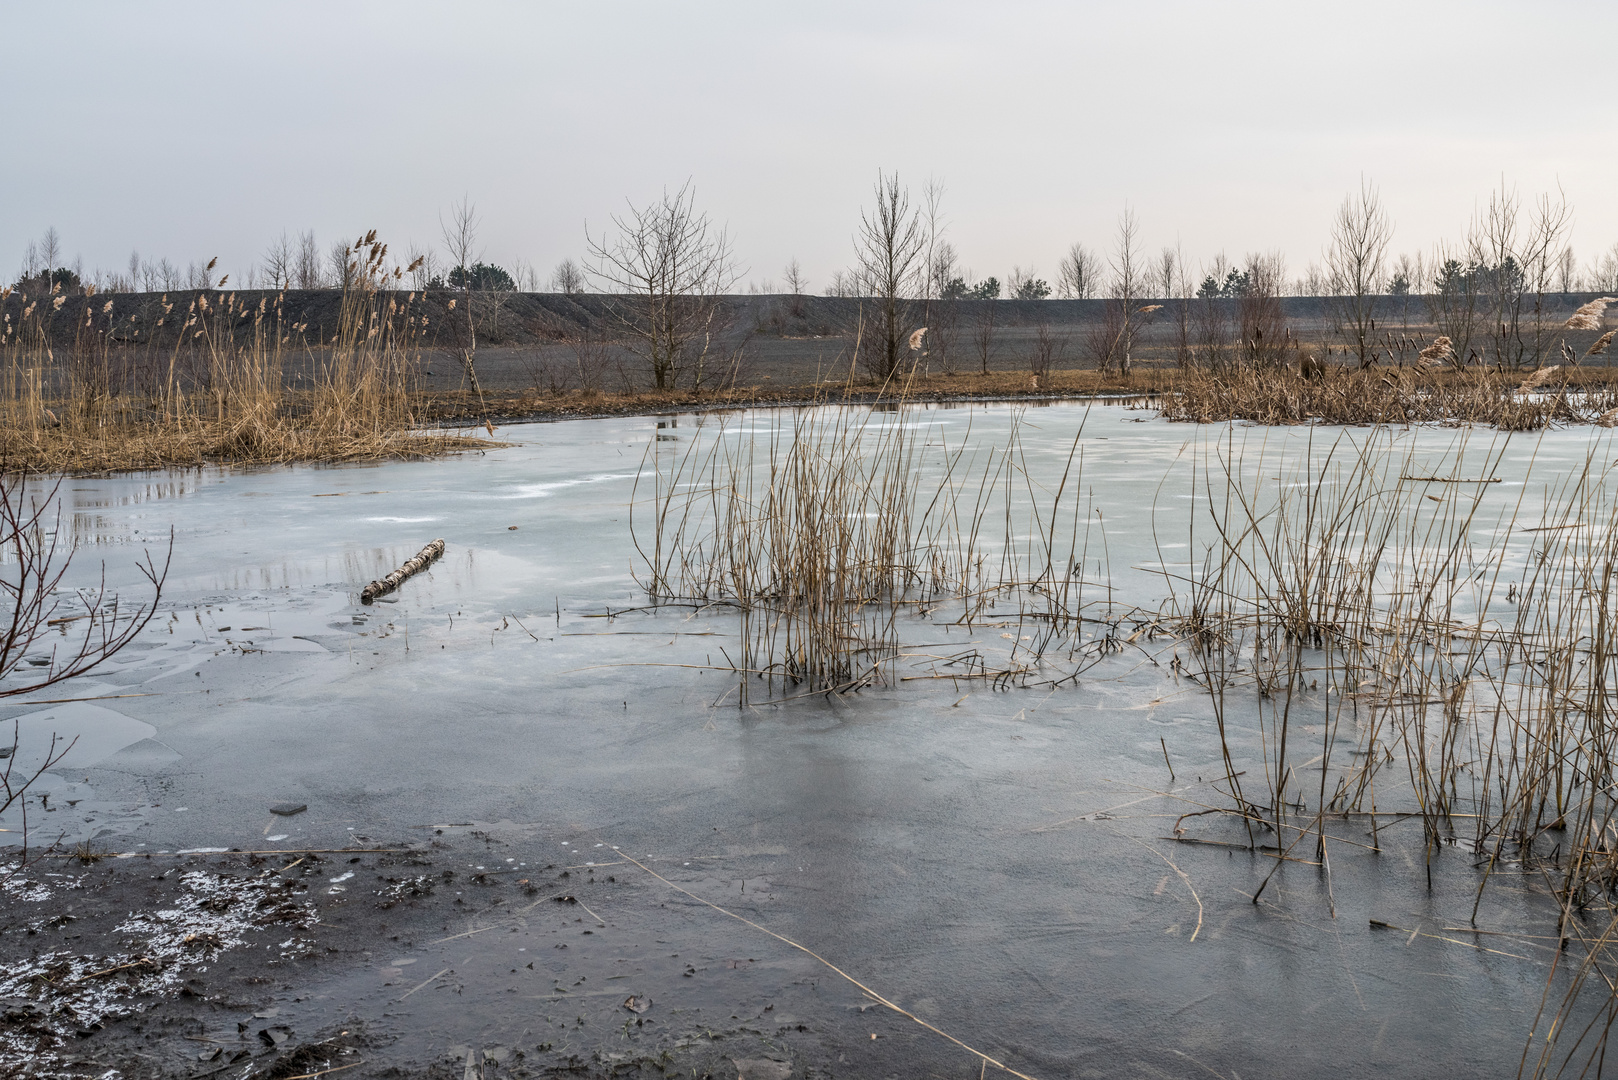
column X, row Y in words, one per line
column 99, row 733
column 73, row 992
column 13, row 884
column 543, row 491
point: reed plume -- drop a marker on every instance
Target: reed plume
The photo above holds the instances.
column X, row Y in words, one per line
column 1539, row 378
column 1588, row 316
column 1439, row 352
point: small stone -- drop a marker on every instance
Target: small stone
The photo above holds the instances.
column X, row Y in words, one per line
column 287, row 809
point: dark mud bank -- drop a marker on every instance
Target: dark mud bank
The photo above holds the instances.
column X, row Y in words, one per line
column 443, row 959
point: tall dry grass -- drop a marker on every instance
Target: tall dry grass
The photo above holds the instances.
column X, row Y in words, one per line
column 1455, row 657
column 1393, row 653
column 1439, row 387
column 1390, row 396
column 822, row 530
column 209, row 381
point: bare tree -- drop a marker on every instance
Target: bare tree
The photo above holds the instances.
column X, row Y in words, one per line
column 568, row 279
column 891, row 247
column 1211, row 323
column 200, row 275
column 932, row 220
column 33, row 606
column 1179, row 294
column 1567, row 271
column 1407, row 281
column 1604, row 271
column 1048, row 347
column 1167, row 260
column 1547, row 226
column 423, row 267
column 668, row 268
column 134, row 271
column 1103, row 338
column 797, row 284
column 31, row 595
column 944, row 270
column 460, row 234
column 1265, row 337
column 50, row 249
column 341, row 263
column 1129, row 280
column 945, row 285
column 983, row 332
column 1515, row 266
column 843, row 283
column 1354, row 265
column 1314, row 282
column 166, row 275
column 1454, row 298
column 306, row 266
column 278, row 259
column 1079, row 273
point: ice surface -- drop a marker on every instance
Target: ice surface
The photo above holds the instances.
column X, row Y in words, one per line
column 1001, row 854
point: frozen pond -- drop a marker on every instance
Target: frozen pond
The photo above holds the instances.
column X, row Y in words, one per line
column 997, row 861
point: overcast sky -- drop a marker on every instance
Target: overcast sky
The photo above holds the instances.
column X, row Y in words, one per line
column 194, row 130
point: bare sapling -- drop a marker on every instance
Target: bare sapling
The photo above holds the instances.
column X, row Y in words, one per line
column 87, row 630
column 1355, row 261
column 893, row 247
column 666, row 271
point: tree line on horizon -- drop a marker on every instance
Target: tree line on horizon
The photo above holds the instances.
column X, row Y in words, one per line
column 1488, row 251
column 663, row 268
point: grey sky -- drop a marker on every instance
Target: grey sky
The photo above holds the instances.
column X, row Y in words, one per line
column 190, row 130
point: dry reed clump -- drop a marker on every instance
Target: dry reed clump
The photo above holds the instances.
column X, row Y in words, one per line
column 1465, row 650
column 1397, row 396
column 1385, row 642
column 1588, row 316
column 1440, row 352
column 1439, row 388
column 208, row 384
column 820, row 531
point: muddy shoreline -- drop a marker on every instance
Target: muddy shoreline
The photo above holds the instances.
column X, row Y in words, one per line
column 361, row 960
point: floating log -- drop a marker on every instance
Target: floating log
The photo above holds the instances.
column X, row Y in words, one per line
column 422, row 560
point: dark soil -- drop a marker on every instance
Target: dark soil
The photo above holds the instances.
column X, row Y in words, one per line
column 309, row 988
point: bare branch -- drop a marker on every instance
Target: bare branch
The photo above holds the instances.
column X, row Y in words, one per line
column 669, row 268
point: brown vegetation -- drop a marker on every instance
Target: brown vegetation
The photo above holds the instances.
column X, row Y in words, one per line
column 1362, row 600
column 1391, row 396
column 1384, row 650
column 210, row 382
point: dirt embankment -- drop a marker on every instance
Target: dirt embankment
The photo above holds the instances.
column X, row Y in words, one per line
column 518, row 319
